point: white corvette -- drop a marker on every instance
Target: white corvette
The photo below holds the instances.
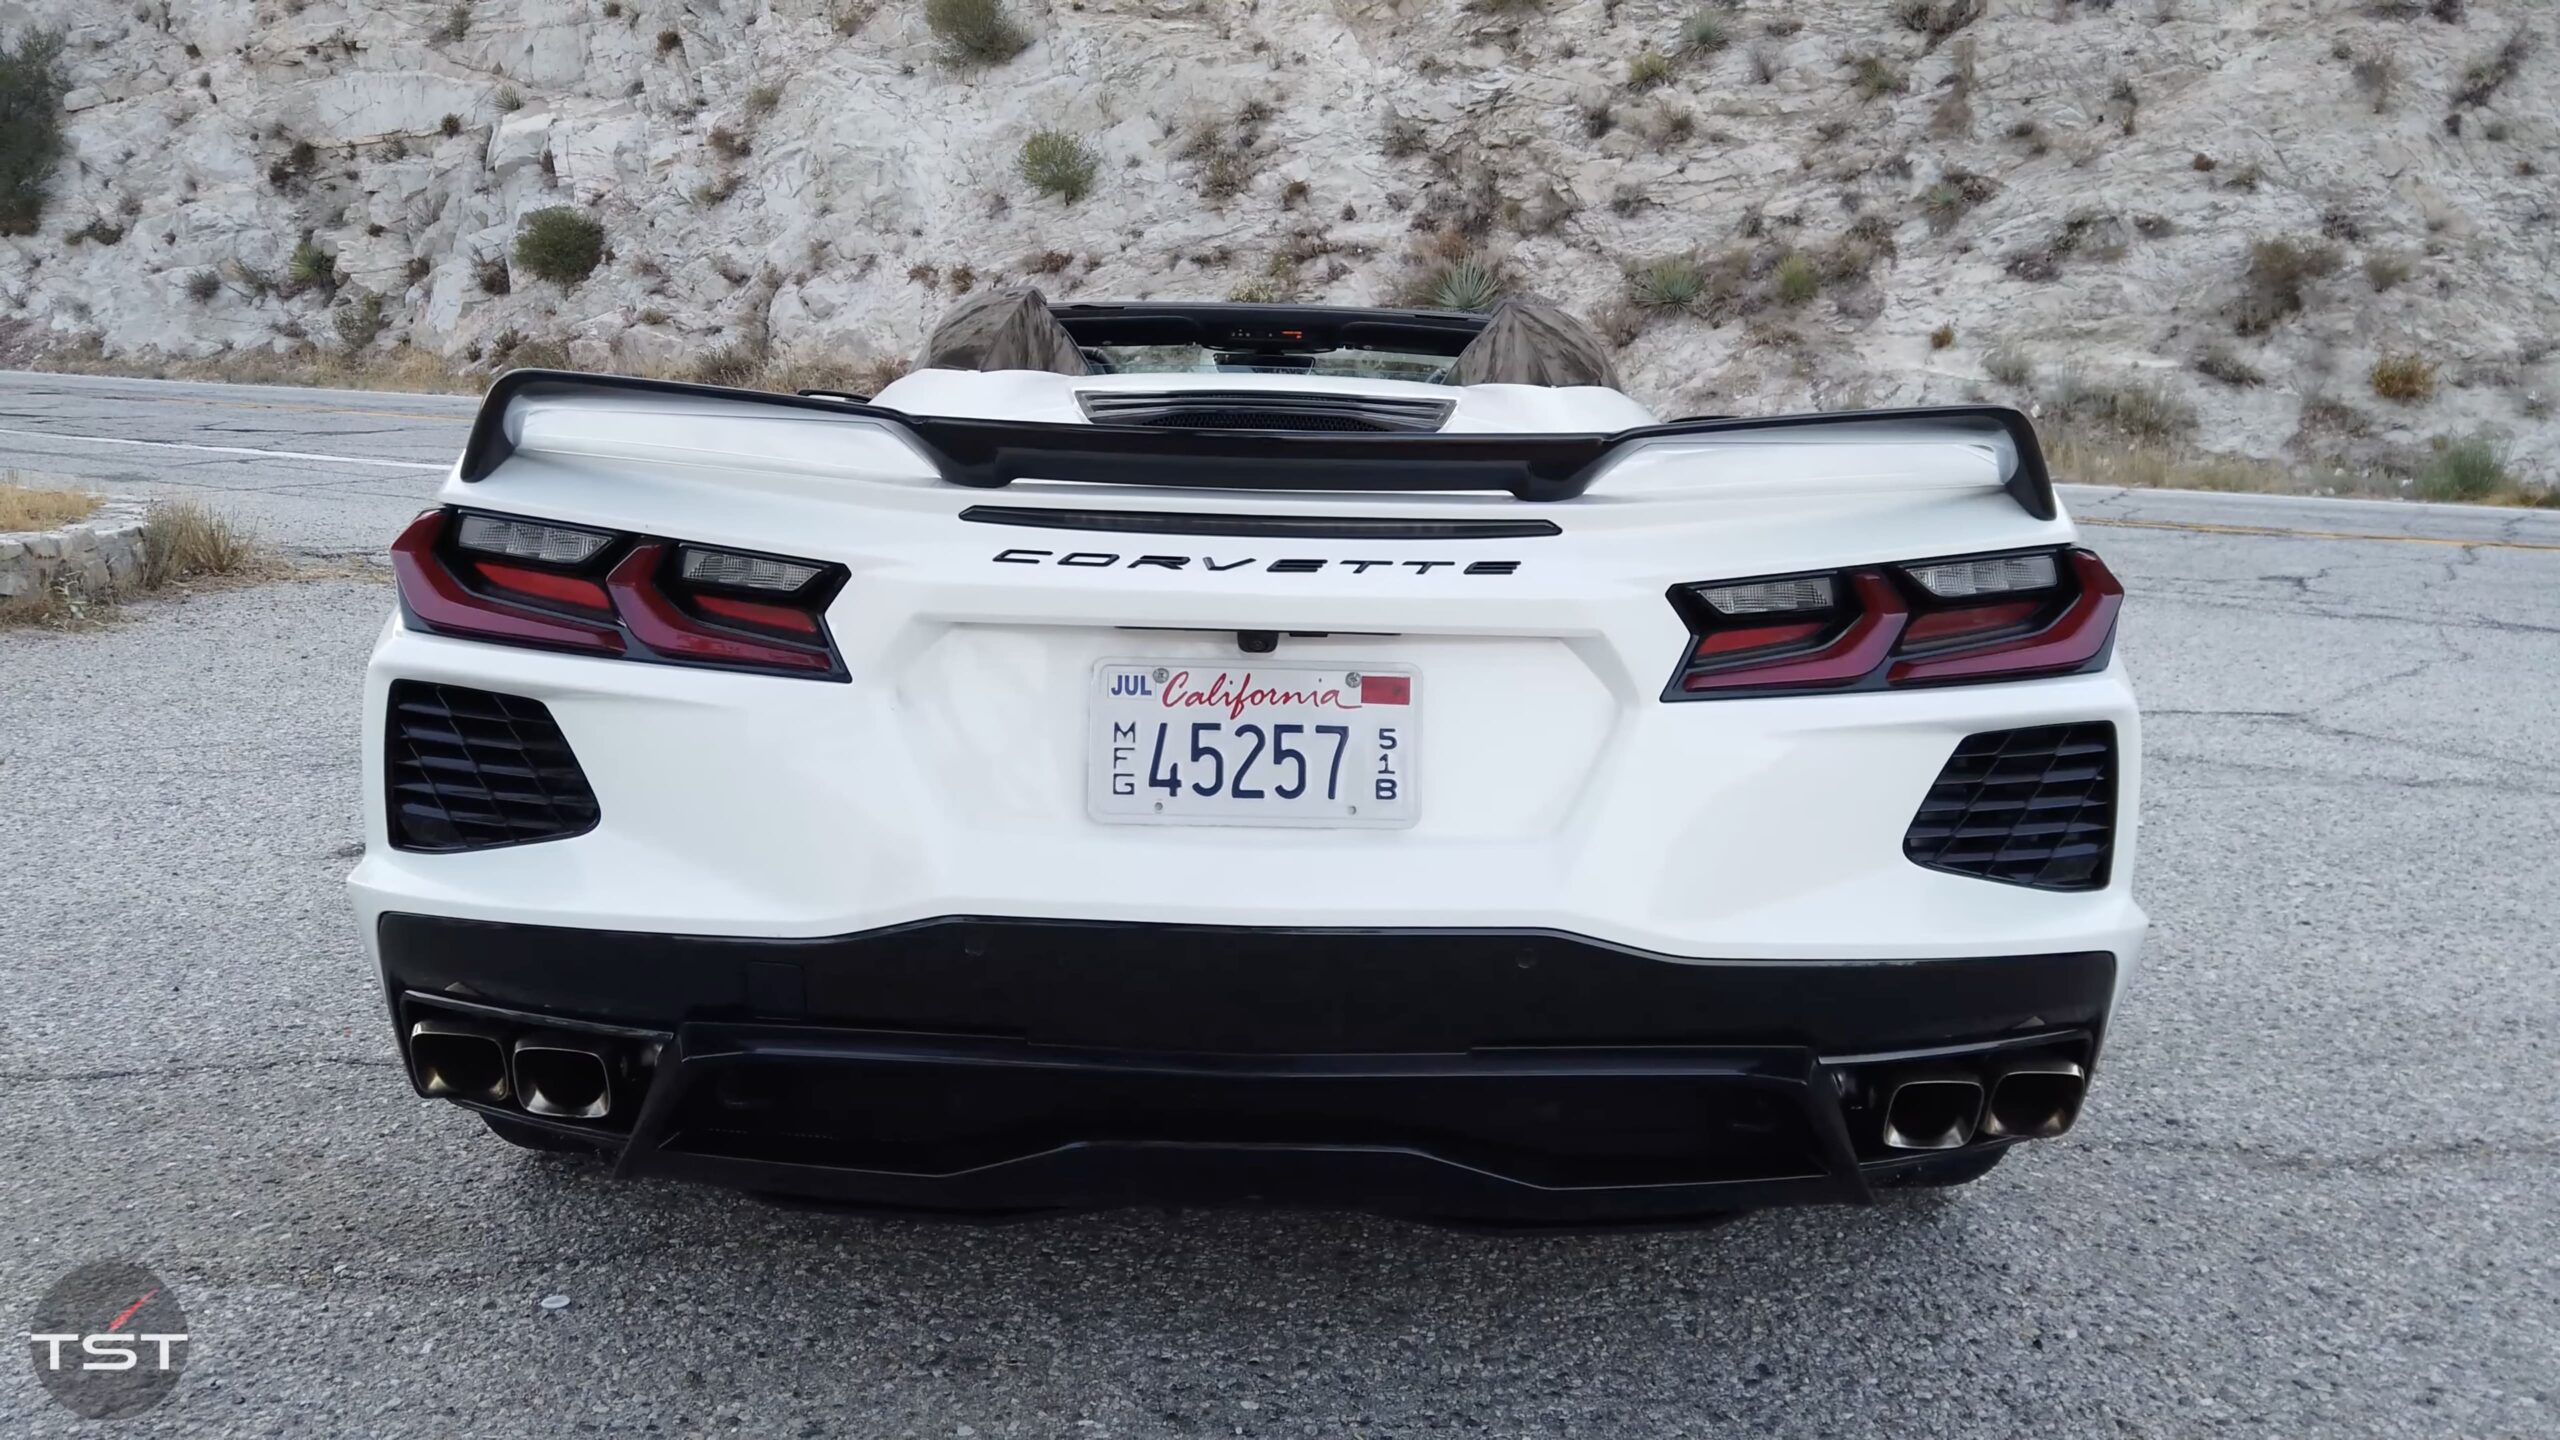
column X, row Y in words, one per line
column 1254, row 758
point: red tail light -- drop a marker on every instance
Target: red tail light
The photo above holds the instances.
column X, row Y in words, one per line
column 530, row 582
column 1994, row 617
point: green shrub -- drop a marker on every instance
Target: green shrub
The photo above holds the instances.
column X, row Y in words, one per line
column 1702, row 33
column 311, row 265
column 975, row 32
column 1956, row 192
column 1875, row 76
column 31, row 87
column 203, row 286
column 1798, row 281
column 1675, row 282
column 1467, row 283
column 560, row 243
column 2009, row 365
column 1057, row 163
column 1649, row 68
column 2469, row 470
column 457, row 21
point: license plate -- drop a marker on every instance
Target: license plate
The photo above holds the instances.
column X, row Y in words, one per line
column 1181, row 743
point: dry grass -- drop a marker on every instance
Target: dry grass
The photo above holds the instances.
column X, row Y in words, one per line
column 2105, row 457
column 2138, row 410
column 25, row 508
column 420, row 372
column 183, row 545
column 2470, row 471
column 182, row 540
column 742, row 366
column 2279, row 271
column 2407, row 378
column 400, row 368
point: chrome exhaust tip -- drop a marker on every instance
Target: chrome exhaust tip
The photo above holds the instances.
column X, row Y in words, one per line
column 454, row 1061
column 2035, row 1100
column 1934, row 1111
column 562, row 1075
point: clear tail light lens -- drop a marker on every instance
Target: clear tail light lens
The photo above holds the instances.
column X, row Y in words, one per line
column 1795, row 594
column 1990, row 617
column 531, row 582
column 1997, row 575
column 532, row 540
column 745, row 572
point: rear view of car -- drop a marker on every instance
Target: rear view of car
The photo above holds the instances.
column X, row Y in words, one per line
column 1251, row 753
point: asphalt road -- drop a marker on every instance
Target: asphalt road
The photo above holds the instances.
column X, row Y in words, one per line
column 2317, row 1192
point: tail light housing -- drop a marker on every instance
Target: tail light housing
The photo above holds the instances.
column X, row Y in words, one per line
column 2007, row 616
column 521, row 581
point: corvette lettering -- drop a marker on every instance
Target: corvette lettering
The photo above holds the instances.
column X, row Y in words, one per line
column 1290, row 565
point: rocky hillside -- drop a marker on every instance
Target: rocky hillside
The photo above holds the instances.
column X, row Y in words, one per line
column 2320, row 230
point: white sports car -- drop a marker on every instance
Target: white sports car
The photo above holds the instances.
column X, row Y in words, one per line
column 1245, row 753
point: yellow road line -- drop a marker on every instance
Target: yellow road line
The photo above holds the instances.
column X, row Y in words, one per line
column 2202, row 529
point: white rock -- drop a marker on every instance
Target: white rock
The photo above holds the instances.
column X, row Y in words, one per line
column 520, row 139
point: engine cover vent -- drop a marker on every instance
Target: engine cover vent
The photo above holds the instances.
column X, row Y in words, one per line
column 1262, row 410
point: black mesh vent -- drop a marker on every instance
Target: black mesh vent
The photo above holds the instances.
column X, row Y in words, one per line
column 2030, row 807
column 1264, row 410
column 470, row 769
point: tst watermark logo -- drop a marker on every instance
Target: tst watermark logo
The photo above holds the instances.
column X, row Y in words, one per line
column 109, row 1340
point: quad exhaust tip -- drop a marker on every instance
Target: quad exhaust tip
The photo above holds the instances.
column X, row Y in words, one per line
column 2035, row 1100
column 455, row 1061
column 1933, row 1111
column 562, row 1075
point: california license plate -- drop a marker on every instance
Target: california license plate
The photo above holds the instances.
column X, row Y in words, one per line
column 1181, row 743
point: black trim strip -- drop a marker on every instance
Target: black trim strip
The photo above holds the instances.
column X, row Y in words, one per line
column 1168, row 409
column 991, row 454
column 1245, row 989
column 1226, row 325
column 1290, row 527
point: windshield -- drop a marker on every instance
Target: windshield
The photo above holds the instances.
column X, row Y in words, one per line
column 1199, row 360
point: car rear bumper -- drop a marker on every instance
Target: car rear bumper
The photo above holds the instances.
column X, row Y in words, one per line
column 1005, row 1065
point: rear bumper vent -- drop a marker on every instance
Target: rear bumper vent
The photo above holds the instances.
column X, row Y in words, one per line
column 1263, row 410
column 2027, row 807
column 470, row 769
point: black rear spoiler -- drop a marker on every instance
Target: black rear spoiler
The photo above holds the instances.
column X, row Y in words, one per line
column 991, row 454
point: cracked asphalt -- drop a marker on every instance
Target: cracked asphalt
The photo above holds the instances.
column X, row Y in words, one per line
column 2317, row 1191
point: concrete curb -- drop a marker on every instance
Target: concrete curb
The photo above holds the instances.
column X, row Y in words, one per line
column 93, row 558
